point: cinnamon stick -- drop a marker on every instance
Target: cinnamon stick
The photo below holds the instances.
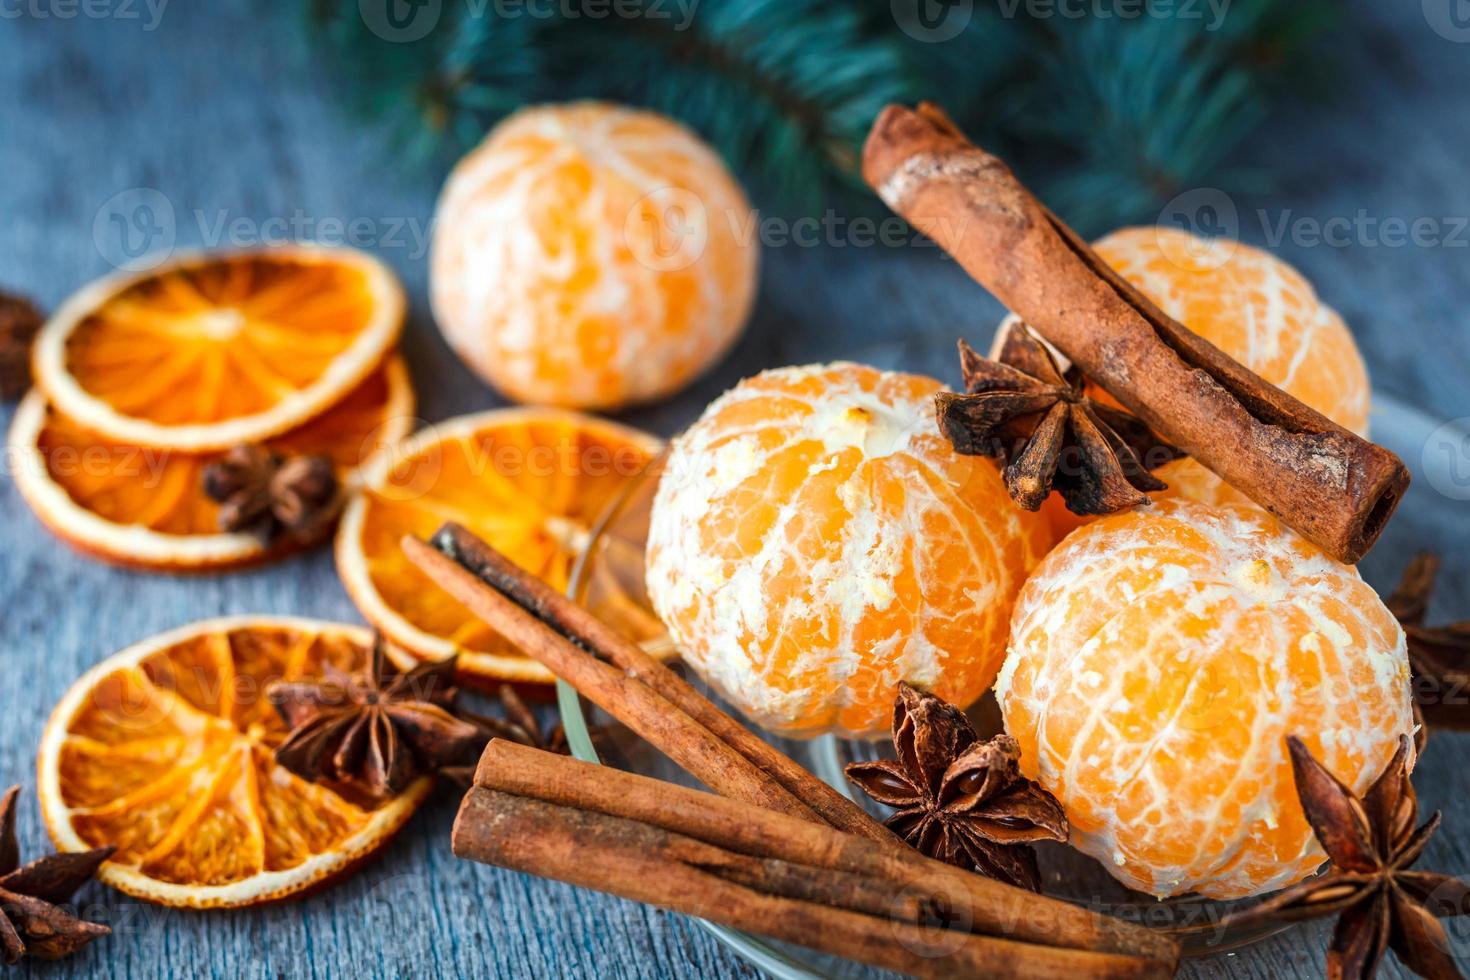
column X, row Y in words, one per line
column 590, row 633
column 1334, row 487
column 648, row 714
column 575, row 646
column 911, row 884
column 634, row 861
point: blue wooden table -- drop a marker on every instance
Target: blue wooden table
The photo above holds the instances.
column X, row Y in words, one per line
column 215, row 111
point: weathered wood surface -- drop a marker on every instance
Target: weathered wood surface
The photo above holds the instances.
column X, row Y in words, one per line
column 214, row 112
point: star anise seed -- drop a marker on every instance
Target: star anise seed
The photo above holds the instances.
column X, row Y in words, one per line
column 265, row 492
column 1025, row 409
column 377, row 730
column 520, row 725
column 20, row 321
column 32, row 921
column 1438, row 655
column 957, row 798
column 1372, row 843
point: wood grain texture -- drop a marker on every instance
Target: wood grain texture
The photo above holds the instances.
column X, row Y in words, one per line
column 218, row 111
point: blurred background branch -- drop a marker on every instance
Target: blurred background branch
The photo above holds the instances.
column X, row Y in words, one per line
column 1109, row 109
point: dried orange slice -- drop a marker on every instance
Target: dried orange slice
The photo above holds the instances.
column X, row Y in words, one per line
column 166, row 751
column 213, row 350
column 530, row 481
column 146, row 508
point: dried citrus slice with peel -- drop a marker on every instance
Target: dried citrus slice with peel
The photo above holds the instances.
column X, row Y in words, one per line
column 212, row 350
column 146, row 508
column 166, row 751
column 531, row 481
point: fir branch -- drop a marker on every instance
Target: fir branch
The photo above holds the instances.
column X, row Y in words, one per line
column 785, row 89
column 1143, row 109
column 1117, row 114
column 440, row 92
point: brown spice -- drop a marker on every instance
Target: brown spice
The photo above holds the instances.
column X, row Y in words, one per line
column 658, row 705
column 377, row 731
column 755, row 869
column 32, row 922
column 1372, row 843
column 20, row 321
column 518, row 724
column 613, row 672
column 1329, row 484
column 1024, row 408
column 1438, row 655
column 960, row 800
column 269, row 494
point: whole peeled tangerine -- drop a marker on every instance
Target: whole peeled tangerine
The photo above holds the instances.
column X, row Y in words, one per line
column 814, row 541
column 1158, row 660
column 1256, row 308
column 591, row 256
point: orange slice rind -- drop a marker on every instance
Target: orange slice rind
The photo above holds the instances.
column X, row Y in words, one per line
column 146, row 508
column 531, row 481
column 165, row 751
column 216, row 349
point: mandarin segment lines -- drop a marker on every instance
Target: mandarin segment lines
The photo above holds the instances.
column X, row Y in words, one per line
column 588, row 255
column 1158, row 658
column 814, row 542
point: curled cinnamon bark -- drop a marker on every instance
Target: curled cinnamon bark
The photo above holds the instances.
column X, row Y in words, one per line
column 768, row 872
column 1334, row 487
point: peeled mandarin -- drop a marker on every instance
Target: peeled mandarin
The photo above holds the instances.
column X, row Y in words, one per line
column 588, row 256
column 1159, row 658
column 1255, row 308
column 814, row 541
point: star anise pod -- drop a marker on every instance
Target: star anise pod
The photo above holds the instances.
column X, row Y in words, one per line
column 20, row 321
column 32, row 922
column 1438, row 655
column 1025, row 409
column 519, row 724
column 1372, row 844
column 377, row 730
column 268, row 493
column 957, row 798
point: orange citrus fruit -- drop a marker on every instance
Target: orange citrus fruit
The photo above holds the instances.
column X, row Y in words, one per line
column 589, row 256
column 146, row 508
column 1257, row 309
column 532, row 482
column 166, row 751
column 212, row 350
column 815, row 540
column 1159, row 658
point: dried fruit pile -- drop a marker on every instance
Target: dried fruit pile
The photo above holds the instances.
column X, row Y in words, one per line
column 210, row 413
